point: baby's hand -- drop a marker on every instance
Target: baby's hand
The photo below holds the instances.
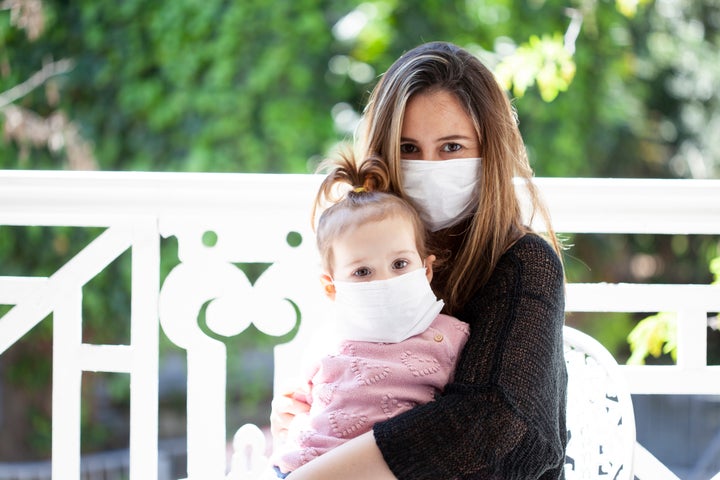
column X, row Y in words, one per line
column 285, row 407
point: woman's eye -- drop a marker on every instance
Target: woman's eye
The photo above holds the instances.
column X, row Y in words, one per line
column 452, row 147
column 407, row 148
column 399, row 264
column 362, row 272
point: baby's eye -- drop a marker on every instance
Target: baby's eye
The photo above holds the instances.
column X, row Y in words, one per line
column 399, row 264
column 362, row 272
column 408, row 148
column 452, row 147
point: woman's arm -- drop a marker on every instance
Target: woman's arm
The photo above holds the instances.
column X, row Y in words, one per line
column 357, row 459
column 504, row 414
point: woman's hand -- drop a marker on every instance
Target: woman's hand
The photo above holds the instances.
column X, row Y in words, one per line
column 285, row 407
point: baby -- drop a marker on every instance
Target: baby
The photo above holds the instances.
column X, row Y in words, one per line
column 395, row 349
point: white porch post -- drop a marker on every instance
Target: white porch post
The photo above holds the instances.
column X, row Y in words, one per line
column 67, row 386
column 144, row 341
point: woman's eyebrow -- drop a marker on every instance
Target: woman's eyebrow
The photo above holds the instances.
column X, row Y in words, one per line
column 441, row 139
column 454, row 137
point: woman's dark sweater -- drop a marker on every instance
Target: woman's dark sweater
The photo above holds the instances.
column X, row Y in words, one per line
column 503, row 415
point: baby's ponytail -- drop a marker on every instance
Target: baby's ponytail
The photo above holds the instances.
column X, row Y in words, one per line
column 347, row 179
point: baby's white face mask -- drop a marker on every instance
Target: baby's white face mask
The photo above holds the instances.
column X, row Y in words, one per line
column 387, row 311
column 444, row 190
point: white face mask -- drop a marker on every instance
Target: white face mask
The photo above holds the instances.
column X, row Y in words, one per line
column 387, row 311
column 443, row 190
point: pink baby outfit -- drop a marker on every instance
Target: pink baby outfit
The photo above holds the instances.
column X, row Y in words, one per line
column 362, row 383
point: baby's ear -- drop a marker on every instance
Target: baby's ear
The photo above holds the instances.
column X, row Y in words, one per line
column 429, row 260
column 328, row 285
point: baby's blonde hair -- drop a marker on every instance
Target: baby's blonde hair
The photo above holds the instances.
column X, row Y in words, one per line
column 358, row 194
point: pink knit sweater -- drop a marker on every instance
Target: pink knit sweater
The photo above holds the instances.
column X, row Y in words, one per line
column 361, row 383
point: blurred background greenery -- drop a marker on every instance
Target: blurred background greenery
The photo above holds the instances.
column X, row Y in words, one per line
column 610, row 88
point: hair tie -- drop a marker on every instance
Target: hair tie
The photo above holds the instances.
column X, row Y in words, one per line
column 360, row 189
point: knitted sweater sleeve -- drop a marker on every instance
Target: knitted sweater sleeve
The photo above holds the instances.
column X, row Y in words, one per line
column 503, row 416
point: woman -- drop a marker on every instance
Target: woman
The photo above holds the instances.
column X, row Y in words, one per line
column 438, row 117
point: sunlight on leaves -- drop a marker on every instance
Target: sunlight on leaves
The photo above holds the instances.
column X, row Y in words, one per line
column 628, row 8
column 715, row 270
column 654, row 335
column 541, row 60
column 370, row 27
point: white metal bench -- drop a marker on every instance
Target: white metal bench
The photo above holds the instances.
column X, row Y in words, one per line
column 259, row 218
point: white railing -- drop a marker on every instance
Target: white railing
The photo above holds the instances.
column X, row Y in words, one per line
column 252, row 217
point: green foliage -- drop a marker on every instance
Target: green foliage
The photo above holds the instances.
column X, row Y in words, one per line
column 608, row 328
column 715, row 270
column 31, row 369
column 544, row 61
column 246, row 86
column 654, row 335
column 41, row 440
column 657, row 334
column 212, row 85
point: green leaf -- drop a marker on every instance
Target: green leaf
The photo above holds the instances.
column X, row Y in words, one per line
column 653, row 335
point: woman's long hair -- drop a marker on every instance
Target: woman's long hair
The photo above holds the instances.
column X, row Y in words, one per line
column 498, row 221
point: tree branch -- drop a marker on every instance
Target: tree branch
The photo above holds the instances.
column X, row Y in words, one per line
column 48, row 71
